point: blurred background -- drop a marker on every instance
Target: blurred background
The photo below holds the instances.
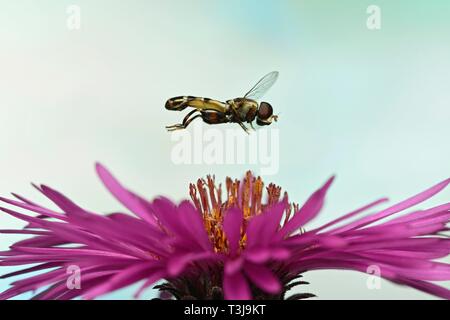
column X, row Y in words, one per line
column 371, row 106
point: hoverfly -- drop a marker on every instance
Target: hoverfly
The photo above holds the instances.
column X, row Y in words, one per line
column 238, row 110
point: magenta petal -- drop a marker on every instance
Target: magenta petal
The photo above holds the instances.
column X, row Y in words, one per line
column 130, row 200
column 395, row 208
column 421, row 214
column 193, row 222
column 60, row 200
column 167, row 214
column 258, row 255
column 179, row 261
column 253, row 230
column 40, row 210
column 308, row 211
column 124, row 278
column 264, row 254
column 351, row 214
column 262, row 228
column 280, row 253
column 30, row 269
column 263, row 278
column 74, row 251
column 428, row 287
column 156, row 276
column 232, row 226
column 333, row 242
column 25, row 200
column 59, row 290
column 235, row 287
column 233, row 266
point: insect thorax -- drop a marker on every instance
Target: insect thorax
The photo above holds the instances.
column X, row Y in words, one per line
column 245, row 108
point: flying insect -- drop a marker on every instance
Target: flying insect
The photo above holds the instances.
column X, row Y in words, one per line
column 239, row 110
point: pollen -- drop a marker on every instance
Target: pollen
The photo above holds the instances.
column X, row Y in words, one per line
column 246, row 194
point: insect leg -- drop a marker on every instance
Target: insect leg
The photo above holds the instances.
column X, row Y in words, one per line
column 186, row 121
column 244, row 127
column 237, row 118
column 185, row 124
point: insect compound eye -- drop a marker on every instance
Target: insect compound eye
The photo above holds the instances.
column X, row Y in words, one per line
column 265, row 111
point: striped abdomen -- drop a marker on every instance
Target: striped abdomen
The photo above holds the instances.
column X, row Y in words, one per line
column 182, row 102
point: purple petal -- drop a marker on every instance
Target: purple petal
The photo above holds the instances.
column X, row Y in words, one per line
column 179, row 262
column 263, row 278
column 233, row 266
column 350, row 215
column 235, row 287
column 263, row 254
column 60, row 200
column 232, row 226
column 262, row 228
column 40, row 210
column 395, row 208
column 130, row 200
column 333, row 241
column 428, row 287
column 308, row 211
column 258, row 255
column 128, row 276
column 156, row 276
column 193, row 222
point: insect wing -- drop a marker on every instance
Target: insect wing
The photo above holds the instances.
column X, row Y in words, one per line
column 262, row 86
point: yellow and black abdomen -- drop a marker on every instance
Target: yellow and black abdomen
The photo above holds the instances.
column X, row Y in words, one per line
column 178, row 103
column 182, row 102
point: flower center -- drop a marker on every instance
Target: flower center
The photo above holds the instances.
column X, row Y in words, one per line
column 247, row 195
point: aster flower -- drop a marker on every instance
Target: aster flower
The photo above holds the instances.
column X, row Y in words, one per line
column 243, row 242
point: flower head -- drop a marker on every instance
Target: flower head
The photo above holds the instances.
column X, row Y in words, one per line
column 239, row 242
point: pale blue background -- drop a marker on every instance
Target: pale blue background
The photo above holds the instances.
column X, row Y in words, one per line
column 370, row 106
